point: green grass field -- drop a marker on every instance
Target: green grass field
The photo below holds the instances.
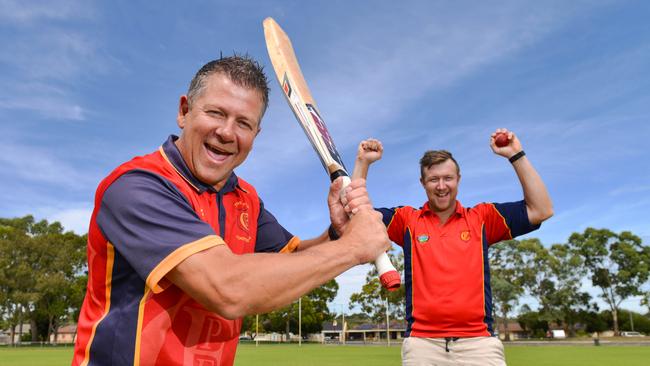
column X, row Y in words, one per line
column 331, row 355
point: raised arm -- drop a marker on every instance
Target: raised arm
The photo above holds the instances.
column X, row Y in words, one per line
column 538, row 201
column 369, row 151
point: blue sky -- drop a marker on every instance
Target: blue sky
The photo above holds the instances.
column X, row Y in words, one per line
column 87, row 85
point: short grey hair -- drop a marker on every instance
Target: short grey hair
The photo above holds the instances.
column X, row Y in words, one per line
column 240, row 69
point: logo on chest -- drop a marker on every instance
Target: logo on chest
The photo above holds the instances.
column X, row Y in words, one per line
column 464, row 235
column 422, row 238
column 241, row 208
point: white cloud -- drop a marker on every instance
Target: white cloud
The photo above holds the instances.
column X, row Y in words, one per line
column 367, row 79
column 74, row 219
column 44, row 55
column 74, row 216
column 46, row 106
column 630, row 189
column 30, row 163
column 46, row 99
column 52, row 54
column 398, row 64
column 30, row 11
column 349, row 282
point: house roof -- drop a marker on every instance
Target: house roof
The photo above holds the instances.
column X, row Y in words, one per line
column 395, row 325
column 513, row 326
column 329, row 326
column 70, row 328
column 26, row 328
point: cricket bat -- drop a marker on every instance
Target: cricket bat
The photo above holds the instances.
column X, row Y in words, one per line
column 302, row 104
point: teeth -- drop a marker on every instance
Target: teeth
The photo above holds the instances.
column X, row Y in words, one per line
column 217, row 151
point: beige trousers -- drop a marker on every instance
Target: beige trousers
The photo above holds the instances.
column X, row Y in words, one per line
column 483, row 351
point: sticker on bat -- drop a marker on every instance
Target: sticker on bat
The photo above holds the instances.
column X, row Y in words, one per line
column 286, row 86
column 325, row 134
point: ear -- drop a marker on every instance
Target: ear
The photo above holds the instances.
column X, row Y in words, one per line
column 183, row 109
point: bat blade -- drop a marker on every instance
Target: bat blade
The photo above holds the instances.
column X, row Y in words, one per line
column 304, row 108
column 299, row 97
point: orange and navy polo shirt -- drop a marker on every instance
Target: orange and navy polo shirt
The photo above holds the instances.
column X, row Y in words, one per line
column 446, row 268
column 150, row 214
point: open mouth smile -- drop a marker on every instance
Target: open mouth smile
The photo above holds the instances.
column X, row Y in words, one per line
column 216, row 153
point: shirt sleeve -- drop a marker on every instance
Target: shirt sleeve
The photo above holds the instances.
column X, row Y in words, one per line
column 505, row 221
column 271, row 236
column 152, row 225
column 394, row 220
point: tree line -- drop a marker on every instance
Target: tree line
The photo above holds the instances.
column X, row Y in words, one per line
column 617, row 265
column 43, row 275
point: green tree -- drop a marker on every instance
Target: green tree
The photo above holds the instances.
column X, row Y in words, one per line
column 252, row 325
column 17, row 282
column 561, row 300
column 355, row 319
column 40, row 271
column 645, row 301
column 372, row 298
column 62, row 259
column 531, row 322
column 593, row 321
column 511, row 269
column 314, row 312
column 618, row 264
column 631, row 320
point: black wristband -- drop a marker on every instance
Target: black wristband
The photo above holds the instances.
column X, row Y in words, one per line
column 332, row 233
column 517, row 156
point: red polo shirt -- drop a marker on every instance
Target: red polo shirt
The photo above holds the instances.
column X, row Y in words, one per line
column 447, row 272
column 150, row 214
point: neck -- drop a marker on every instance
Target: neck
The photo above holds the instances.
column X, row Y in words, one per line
column 445, row 214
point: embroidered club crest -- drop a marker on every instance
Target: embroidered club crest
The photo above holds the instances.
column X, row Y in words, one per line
column 423, row 238
column 243, row 221
column 464, row 236
column 242, row 208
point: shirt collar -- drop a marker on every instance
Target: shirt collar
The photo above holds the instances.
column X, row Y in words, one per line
column 176, row 160
column 459, row 210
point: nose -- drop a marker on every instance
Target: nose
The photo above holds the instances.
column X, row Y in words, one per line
column 226, row 131
column 440, row 185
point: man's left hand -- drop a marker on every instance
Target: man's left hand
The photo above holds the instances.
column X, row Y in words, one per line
column 341, row 207
column 513, row 146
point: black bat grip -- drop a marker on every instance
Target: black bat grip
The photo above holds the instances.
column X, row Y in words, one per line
column 338, row 173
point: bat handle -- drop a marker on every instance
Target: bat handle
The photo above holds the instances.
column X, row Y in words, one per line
column 388, row 275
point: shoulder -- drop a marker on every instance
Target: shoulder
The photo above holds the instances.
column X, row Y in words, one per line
column 483, row 208
column 399, row 214
column 141, row 180
column 398, row 210
column 140, row 188
column 247, row 187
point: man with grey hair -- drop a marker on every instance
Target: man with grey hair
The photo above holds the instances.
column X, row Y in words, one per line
column 180, row 248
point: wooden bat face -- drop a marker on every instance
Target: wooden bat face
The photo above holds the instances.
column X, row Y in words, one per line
column 299, row 97
column 304, row 107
